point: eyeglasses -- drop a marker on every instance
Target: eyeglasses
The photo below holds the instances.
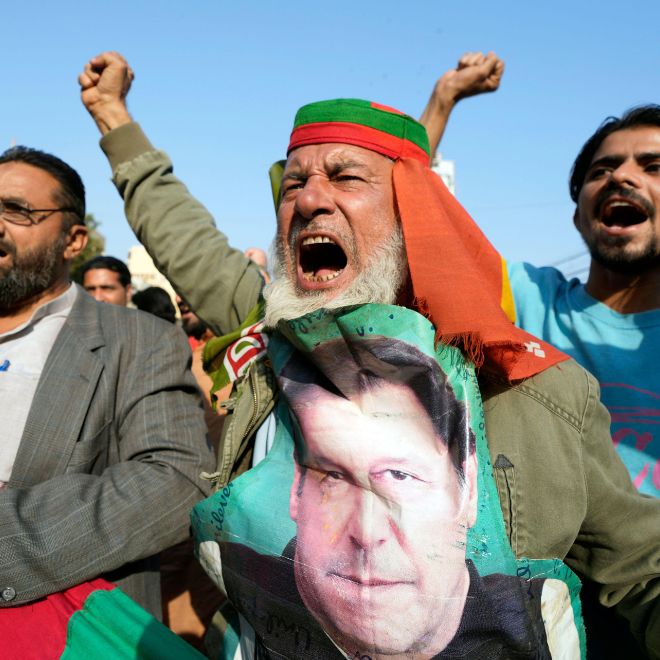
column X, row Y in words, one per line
column 24, row 216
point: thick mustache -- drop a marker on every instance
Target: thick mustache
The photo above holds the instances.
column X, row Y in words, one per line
column 624, row 193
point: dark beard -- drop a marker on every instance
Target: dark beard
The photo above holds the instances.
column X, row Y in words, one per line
column 32, row 273
column 611, row 254
column 610, row 251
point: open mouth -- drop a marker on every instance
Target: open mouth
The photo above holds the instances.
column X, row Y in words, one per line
column 622, row 213
column 321, row 259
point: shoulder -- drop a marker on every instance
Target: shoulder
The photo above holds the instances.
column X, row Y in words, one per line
column 522, row 274
column 273, row 574
column 565, row 390
column 124, row 327
column 537, row 292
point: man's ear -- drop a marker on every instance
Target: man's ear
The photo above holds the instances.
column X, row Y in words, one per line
column 575, row 218
column 129, row 293
column 471, row 485
column 76, row 240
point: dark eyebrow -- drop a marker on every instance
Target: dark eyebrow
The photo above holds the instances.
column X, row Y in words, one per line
column 16, row 200
column 610, row 159
column 648, row 155
column 616, row 159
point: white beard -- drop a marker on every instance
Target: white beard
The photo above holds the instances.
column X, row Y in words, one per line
column 379, row 282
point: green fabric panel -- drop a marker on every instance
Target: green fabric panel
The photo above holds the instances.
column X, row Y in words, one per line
column 275, row 174
column 111, row 625
column 357, row 111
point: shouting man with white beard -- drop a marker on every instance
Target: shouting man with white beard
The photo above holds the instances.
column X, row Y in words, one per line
column 361, row 220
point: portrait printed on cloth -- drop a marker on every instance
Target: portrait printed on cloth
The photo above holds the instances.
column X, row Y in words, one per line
column 380, row 480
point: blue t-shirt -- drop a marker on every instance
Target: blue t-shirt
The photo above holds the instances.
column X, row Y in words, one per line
column 620, row 350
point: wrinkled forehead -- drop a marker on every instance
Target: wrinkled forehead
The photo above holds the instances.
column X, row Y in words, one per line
column 335, row 157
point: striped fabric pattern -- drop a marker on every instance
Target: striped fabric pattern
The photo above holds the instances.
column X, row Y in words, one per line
column 364, row 124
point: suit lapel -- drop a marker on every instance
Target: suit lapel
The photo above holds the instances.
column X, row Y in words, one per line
column 63, row 397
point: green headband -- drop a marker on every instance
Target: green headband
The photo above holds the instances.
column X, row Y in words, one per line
column 364, row 124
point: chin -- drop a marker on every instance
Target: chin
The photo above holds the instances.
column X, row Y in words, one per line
column 625, row 261
column 284, row 301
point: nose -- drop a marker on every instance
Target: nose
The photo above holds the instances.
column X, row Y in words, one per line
column 626, row 174
column 315, row 198
column 98, row 295
column 371, row 520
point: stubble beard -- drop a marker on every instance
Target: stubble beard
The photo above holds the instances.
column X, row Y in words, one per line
column 380, row 281
column 611, row 253
column 32, row 272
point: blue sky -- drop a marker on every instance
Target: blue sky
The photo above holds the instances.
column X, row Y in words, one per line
column 217, row 85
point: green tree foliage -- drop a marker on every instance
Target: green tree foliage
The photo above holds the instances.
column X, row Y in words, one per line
column 95, row 246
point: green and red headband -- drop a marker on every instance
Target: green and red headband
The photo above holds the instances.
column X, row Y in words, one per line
column 361, row 123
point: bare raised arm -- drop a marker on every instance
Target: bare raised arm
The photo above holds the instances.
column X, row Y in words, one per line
column 475, row 73
column 104, row 85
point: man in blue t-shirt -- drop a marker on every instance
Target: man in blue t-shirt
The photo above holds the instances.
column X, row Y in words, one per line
column 611, row 324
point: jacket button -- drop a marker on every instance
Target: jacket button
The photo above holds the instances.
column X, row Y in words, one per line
column 8, row 593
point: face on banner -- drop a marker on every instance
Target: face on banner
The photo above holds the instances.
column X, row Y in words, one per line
column 382, row 500
column 372, row 528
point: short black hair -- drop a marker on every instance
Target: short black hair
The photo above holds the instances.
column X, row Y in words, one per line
column 156, row 301
column 71, row 193
column 642, row 115
column 105, row 262
column 375, row 361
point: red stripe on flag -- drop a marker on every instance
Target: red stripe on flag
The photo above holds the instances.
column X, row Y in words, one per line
column 361, row 136
column 38, row 630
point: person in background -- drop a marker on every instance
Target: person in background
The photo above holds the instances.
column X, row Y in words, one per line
column 259, row 257
column 107, row 279
column 156, row 301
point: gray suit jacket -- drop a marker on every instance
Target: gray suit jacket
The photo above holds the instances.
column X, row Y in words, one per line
column 109, row 462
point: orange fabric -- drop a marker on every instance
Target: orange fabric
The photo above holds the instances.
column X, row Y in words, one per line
column 457, row 278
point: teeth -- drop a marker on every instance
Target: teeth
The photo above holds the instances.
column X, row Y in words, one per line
column 317, row 239
column 614, row 204
column 310, row 277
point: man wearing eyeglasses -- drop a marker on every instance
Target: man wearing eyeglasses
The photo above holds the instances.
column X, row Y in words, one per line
column 102, row 438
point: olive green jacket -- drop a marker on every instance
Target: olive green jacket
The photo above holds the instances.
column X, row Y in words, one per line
column 562, row 488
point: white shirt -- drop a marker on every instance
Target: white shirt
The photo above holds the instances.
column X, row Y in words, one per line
column 23, row 354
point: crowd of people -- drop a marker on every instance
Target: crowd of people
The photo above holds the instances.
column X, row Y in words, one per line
column 399, row 447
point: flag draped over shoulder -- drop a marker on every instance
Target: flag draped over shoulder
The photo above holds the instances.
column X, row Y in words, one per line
column 459, row 279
